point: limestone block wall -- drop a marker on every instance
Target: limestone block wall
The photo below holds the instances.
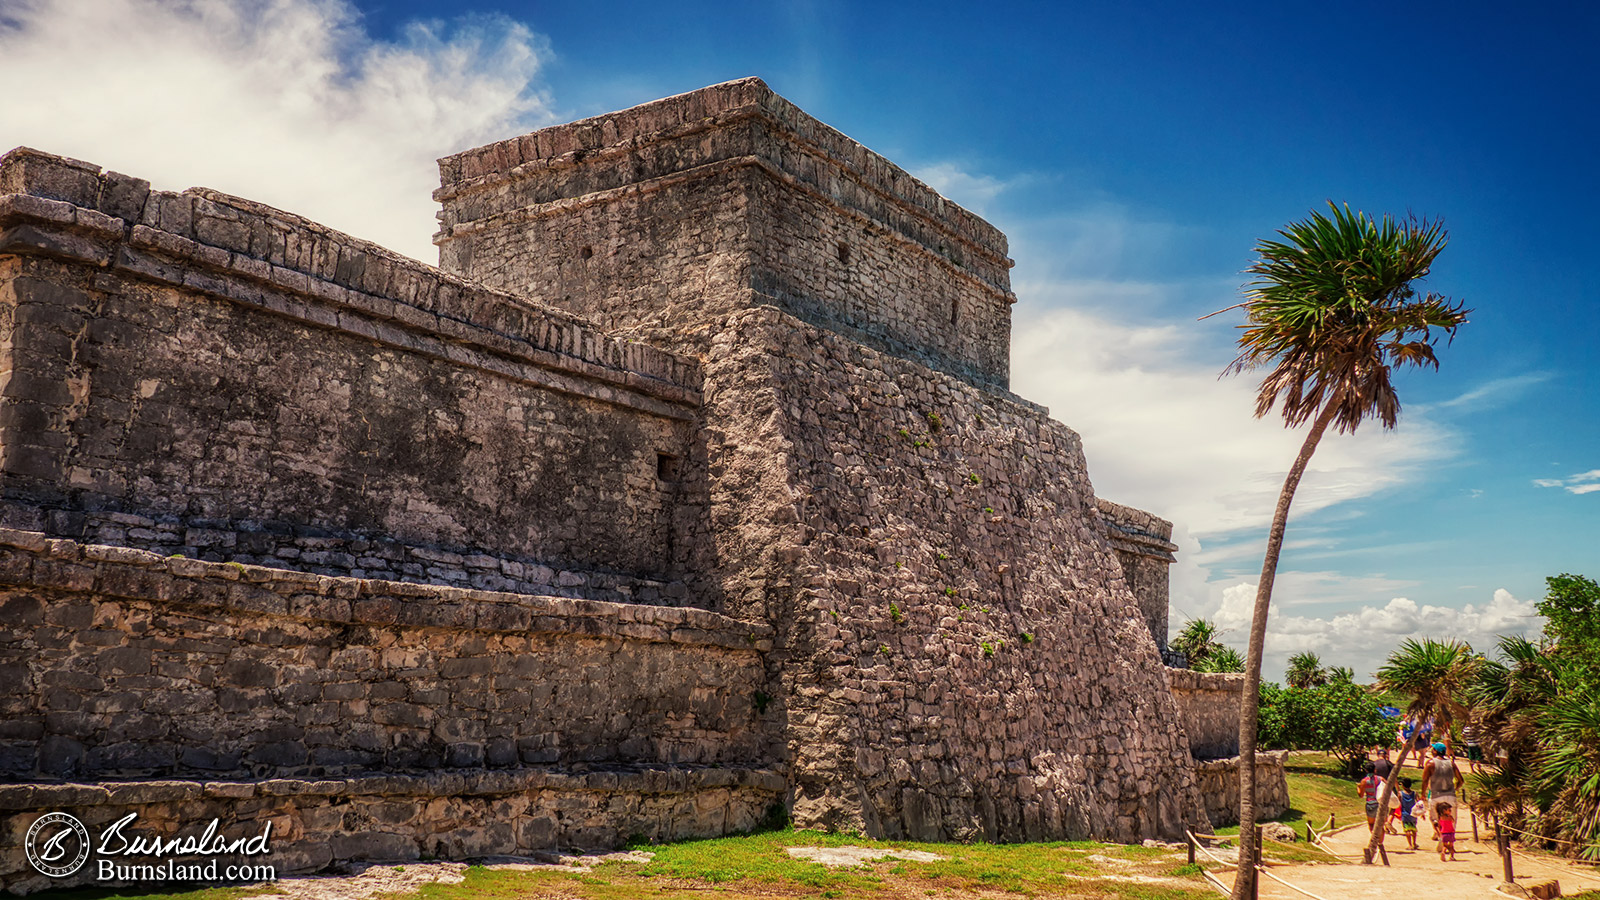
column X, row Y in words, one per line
column 1144, row 548
column 1209, row 704
column 961, row 657
column 121, row 663
column 685, row 209
column 203, row 375
column 399, row 817
column 1219, row 785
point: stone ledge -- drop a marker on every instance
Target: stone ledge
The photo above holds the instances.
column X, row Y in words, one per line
column 1190, row 680
column 32, row 558
column 457, row 783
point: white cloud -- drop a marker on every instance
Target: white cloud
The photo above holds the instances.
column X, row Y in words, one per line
column 1495, row 391
column 289, row 102
column 1162, row 431
column 1581, row 483
column 971, row 191
column 1362, row 638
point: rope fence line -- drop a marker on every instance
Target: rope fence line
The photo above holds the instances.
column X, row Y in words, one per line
column 1293, row 887
column 1217, row 882
column 1539, row 837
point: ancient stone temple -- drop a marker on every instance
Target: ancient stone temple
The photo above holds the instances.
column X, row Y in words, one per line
column 686, row 492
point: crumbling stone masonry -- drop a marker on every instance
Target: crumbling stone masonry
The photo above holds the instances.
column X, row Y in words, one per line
column 294, row 521
column 1208, row 703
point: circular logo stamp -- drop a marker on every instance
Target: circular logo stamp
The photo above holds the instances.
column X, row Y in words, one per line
column 57, row 844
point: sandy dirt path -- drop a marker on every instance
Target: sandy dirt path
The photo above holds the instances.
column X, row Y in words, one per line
column 1419, row 874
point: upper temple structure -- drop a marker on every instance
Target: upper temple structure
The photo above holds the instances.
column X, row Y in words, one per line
column 687, row 494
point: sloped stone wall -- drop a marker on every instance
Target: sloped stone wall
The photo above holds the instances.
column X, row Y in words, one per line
column 962, row 657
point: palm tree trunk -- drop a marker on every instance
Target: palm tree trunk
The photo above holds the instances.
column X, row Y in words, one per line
column 1383, row 806
column 1249, row 705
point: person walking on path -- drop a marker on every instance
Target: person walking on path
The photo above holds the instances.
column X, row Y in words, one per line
column 1446, row 818
column 1408, row 807
column 1368, row 788
column 1469, row 736
column 1441, row 777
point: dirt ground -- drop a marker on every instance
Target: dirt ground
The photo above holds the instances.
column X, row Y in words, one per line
column 1420, row 874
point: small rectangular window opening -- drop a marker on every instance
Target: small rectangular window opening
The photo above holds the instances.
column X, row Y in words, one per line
column 666, row 467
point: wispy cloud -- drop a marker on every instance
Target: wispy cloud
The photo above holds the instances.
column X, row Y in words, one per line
column 971, row 190
column 1494, row 392
column 1581, row 483
column 289, row 102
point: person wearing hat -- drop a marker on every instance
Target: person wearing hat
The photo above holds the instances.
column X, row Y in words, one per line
column 1441, row 777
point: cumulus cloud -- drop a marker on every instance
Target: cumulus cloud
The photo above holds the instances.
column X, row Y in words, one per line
column 289, row 102
column 1162, row 431
column 1363, row 637
column 1581, row 483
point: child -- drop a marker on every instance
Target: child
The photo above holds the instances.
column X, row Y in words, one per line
column 1446, row 816
column 1368, row 789
column 1408, row 806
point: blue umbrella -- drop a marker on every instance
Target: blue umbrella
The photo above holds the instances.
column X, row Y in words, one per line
column 1389, row 712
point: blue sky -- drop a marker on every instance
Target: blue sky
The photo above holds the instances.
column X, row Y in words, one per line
column 1133, row 155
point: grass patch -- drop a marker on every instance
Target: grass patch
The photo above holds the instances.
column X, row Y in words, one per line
column 757, row 866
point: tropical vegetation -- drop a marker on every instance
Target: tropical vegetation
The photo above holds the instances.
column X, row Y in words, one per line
column 1330, row 314
column 1537, row 710
column 1339, row 717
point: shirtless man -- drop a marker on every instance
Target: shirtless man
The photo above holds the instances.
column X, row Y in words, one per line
column 1441, row 777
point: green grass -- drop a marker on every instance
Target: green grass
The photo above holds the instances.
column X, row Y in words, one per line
column 757, row 866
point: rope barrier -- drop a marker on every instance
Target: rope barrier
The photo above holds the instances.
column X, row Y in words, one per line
column 1214, row 858
column 1293, row 887
column 1540, row 837
column 1217, row 883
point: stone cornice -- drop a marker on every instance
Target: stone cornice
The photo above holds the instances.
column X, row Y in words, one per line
column 628, row 133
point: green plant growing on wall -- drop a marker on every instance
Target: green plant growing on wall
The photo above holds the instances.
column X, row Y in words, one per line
column 1027, row 637
column 935, row 422
column 895, row 613
column 973, row 477
column 988, row 648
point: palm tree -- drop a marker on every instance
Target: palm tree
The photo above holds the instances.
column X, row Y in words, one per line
column 1540, row 718
column 1435, row 675
column 1222, row 659
column 1341, row 675
column 1305, row 671
column 1330, row 313
column 1197, row 641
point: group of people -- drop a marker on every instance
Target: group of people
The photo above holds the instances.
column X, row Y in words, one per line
column 1441, row 778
